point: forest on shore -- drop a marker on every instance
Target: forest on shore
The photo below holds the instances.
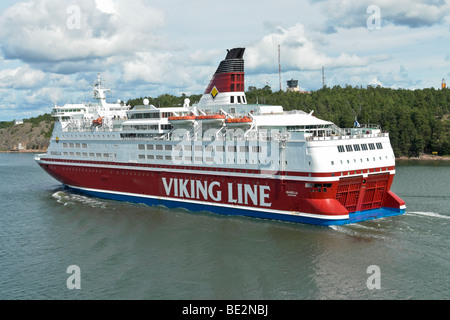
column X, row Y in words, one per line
column 417, row 120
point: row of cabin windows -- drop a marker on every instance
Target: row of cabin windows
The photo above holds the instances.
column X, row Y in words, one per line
column 197, row 159
column 255, row 149
column 81, row 145
column 151, row 115
column 361, row 160
column 86, row 136
column 158, row 147
column 147, row 127
column 75, row 145
column 141, row 174
column 357, row 147
column 90, row 154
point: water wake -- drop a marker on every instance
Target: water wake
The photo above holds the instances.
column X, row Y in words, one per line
column 429, row 214
column 347, row 229
column 344, row 230
column 69, row 199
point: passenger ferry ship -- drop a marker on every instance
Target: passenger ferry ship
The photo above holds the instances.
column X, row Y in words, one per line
column 225, row 156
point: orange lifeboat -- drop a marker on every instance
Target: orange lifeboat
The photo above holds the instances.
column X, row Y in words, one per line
column 211, row 119
column 181, row 120
column 98, row 121
column 239, row 121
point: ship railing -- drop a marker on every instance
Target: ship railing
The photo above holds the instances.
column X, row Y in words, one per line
column 295, row 112
column 339, row 131
column 348, row 137
column 90, row 128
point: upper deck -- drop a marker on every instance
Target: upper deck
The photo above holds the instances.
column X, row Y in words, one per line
column 222, row 127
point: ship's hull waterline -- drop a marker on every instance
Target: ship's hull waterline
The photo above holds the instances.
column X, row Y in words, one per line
column 236, row 193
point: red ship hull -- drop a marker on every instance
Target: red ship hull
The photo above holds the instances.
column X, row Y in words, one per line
column 338, row 198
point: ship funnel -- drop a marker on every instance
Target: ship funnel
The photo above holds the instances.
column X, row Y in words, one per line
column 227, row 85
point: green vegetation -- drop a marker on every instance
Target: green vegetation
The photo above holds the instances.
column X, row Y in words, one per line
column 6, row 124
column 165, row 100
column 35, row 121
column 418, row 120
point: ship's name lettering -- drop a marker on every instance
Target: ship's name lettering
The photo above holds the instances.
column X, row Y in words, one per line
column 234, row 193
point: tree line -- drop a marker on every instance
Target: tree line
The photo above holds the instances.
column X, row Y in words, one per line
column 417, row 120
column 35, row 121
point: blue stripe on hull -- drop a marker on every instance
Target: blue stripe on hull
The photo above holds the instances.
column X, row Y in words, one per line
column 374, row 214
column 196, row 207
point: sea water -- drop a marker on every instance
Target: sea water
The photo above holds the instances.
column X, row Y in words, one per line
column 55, row 244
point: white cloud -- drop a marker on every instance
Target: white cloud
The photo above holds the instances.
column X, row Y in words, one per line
column 156, row 68
column 21, row 78
column 411, row 13
column 297, row 53
column 151, row 48
column 375, row 82
column 44, row 31
column 106, row 6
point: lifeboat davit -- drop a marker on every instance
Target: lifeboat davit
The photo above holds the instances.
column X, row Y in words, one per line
column 182, row 120
column 241, row 121
column 211, row 119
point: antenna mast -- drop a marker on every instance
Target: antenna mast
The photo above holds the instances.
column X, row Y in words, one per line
column 279, row 65
column 323, row 77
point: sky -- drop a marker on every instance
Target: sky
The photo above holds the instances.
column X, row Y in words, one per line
column 52, row 50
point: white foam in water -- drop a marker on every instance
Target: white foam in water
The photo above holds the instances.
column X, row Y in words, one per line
column 344, row 229
column 70, row 199
column 429, row 214
column 59, row 196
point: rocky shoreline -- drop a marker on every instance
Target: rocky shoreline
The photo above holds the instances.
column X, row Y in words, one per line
column 26, row 137
column 426, row 157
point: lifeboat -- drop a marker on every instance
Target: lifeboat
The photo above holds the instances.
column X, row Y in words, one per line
column 241, row 121
column 211, row 119
column 97, row 122
column 182, row 120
